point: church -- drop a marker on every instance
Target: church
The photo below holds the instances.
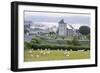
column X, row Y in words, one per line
column 66, row 29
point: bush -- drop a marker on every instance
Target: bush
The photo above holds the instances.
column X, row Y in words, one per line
column 35, row 41
column 27, row 45
column 55, row 47
column 88, row 36
column 74, row 41
column 69, row 42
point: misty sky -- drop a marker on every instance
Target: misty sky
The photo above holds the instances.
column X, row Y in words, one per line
column 43, row 17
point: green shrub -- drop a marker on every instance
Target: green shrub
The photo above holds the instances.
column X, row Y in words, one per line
column 35, row 40
column 74, row 41
column 88, row 36
column 27, row 45
column 55, row 47
column 69, row 42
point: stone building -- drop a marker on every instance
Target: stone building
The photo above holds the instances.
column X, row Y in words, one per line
column 65, row 29
column 62, row 28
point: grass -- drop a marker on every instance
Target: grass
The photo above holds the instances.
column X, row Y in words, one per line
column 47, row 55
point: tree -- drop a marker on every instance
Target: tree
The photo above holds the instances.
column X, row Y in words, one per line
column 25, row 31
column 51, row 33
column 84, row 30
column 35, row 41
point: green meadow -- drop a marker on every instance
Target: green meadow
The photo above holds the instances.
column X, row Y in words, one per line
column 47, row 55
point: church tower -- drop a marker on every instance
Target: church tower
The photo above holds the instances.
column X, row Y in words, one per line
column 62, row 28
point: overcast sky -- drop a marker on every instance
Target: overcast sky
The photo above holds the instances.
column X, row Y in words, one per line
column 50, row 18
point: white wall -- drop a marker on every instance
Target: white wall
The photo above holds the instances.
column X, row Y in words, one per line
column 5, row 35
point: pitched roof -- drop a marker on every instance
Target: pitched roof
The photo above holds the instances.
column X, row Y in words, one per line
column 62, row 22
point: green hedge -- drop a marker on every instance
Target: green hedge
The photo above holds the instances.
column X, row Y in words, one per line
column 55, row 47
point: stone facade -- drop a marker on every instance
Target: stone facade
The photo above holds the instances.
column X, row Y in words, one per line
column 63, row 30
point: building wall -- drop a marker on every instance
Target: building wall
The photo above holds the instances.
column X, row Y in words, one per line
column 62, row 29
column 70, row 32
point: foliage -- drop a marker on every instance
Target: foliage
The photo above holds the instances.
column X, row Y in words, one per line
column 69, row 42
column 26, row 29
column 84, row 30
column 35, row 40
column 88, row 36
column 74, row 41
column 51, row 33
column 62, row 37
column 55, row 47
column 27, row 45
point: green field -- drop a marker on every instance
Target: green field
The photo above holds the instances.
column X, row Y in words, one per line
column 47, row 55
